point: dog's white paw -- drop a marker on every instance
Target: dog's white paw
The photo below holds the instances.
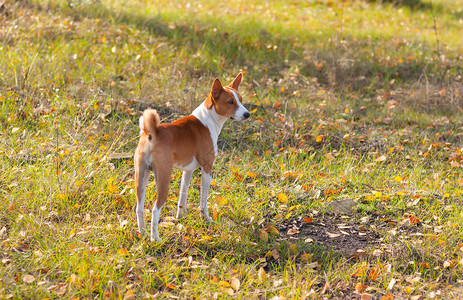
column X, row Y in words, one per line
column 156, row 239
column 181, row 213
column 206, row 216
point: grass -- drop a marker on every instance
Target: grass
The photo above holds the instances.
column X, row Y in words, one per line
column 352, row 100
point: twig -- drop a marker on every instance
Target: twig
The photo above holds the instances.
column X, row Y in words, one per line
column 57, row 153
column 435, row 29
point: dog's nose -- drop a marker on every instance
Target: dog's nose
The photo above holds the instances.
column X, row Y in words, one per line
column 246, row 115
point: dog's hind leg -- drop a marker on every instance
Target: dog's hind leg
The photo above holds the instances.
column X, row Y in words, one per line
column 141, row 180
column 163, row 174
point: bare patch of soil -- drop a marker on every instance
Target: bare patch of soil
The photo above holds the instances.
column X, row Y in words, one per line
column 339, row 233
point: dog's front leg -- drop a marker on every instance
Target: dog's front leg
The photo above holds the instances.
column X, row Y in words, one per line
column 186, row 178
column 206, row 179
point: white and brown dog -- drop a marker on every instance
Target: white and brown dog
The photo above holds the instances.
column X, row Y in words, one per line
column 186, row 144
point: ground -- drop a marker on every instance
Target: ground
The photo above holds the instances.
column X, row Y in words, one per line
column 345, row 183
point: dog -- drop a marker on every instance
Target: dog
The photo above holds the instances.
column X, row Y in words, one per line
column 186, row 144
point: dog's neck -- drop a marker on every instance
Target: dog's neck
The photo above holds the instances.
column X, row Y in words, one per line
column 212, row 120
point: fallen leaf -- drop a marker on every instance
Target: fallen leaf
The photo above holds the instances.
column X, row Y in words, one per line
column 171, row 286
column 391, row 283
column 251, row 174
column 307, row 220
column 332, row 235
column 263, row 235
column 365, row 296
column 414, row 220
column 293, row 249
column 235, row 284
column 262, row 275
column 359, row 287
column 319, row 138
column 238, row 177
column 275, row 254
column 129, row 295
column 306, row 257
column 448, row 264
column 272, row 230
column 329, row 156
column 308, row 240
column 28, row 278
column 292, row 231
column 381, row 158
column 224, row 284
column 282, row 197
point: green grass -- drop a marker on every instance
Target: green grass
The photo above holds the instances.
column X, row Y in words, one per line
column 353, row 100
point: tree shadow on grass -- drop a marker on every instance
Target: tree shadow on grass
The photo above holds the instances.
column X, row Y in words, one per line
column 412, row 4
column 254, row 45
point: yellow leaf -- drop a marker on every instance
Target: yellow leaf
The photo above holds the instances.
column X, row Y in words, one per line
column 221, row 200
column 306, row 257
column 377, row 194
column 238, row 177
column 282, row 197
column 224, row 284
column 206, row 238
column 123, row 251
column 294, row 207
column 293, row 249
column 251, row 174
column 253, row 111
column 319, row 138
column 262, row 275
column 398, row 178
column 113, row 189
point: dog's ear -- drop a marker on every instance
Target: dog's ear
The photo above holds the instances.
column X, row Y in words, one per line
column 216, row 89
column 236, row 82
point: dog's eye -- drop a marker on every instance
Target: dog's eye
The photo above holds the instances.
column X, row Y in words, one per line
column 230, row 102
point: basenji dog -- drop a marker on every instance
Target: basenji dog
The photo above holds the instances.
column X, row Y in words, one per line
column 186, row 144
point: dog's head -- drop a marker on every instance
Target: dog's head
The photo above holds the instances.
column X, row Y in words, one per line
column 226, row 100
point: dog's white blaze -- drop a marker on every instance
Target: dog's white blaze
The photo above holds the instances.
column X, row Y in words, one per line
column 212, row 120
column 239, row 113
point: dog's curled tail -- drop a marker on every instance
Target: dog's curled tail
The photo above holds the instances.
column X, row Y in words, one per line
column 149, row 122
